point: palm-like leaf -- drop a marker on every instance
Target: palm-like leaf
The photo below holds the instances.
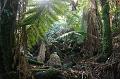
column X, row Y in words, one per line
column 72, row 35
column 40, row 17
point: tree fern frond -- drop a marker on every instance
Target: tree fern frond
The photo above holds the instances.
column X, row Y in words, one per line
column 30, row 19
column 33, row 10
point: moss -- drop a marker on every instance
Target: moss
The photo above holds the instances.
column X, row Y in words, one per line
column 107, row 39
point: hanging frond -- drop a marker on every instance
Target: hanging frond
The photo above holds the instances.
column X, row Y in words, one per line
column 39, row 18
column 72, row 35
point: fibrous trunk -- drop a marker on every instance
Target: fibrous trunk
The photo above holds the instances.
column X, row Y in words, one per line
column 7, row 40
column 107, row 39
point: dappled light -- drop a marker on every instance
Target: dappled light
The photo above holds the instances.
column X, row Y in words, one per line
column 60, row 39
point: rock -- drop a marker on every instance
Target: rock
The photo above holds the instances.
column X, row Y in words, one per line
column 48, row 75
column 54, row 60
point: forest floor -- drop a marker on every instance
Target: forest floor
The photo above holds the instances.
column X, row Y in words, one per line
column 90, row 68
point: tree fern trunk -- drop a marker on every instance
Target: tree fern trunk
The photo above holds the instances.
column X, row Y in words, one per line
column 107, row 39
column 7, row 40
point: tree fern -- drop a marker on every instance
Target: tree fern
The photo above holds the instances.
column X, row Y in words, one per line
column 39, row 18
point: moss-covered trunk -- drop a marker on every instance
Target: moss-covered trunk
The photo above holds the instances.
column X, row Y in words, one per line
column 107, row 39
column 7, row 40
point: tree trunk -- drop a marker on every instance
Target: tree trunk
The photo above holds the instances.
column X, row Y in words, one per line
column 107, row 39
column 7, row 40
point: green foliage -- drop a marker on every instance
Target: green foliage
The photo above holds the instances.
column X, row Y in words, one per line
column 71, row 20
column 75, row 18
column 57, row 29
column 40, row 17
column 71, row 36
column 116, row 29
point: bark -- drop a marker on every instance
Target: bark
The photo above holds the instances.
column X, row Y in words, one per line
column 107, row 39
column 25, row 2
column 7, row 40
column 41, row 53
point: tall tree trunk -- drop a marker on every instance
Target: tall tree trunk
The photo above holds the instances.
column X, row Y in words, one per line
column 107, row 39
column 25, row 2
column 7, row 40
